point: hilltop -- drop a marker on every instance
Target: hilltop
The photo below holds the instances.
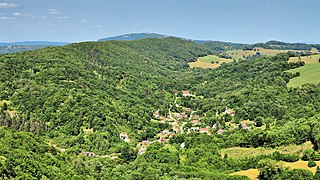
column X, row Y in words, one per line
column 134, row 36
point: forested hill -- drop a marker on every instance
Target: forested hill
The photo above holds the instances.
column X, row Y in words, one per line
column 121, row 103
column 108, row 86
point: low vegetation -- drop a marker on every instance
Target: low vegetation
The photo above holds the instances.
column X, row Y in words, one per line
column 210, row 61
column 307, row 74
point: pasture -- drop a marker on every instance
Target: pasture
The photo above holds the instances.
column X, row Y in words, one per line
column 241, row 54
column 253, row 173
column 309, row 73
column 307, row 59
column 210, row 61
column 239, row 152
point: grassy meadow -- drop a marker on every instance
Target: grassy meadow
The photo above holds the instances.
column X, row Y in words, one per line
column 210, row 61
column 253, row 173
column 239, row 152
column 238, row 54
column 309, row 73
column 307, row 59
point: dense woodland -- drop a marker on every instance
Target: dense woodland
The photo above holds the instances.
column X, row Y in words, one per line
column 50, row 98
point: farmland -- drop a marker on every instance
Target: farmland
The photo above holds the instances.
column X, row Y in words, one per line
column 210, row 61
column 307, row 59
column 239, row 152
column 253, row 173
column 241, row 54
column 308, row 74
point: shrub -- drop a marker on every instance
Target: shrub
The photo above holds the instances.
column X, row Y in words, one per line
column 311, row 163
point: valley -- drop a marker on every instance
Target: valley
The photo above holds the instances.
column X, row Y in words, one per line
column 138, row 109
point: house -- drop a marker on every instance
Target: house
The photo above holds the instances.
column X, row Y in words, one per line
column 163, row 120
column 186, row 109
column 163, row 140
column 156, row 114
column 182, row 145
column 124, row 137
column 244, row 125
column 220, row 131
column 205, row 130
column 193, row 129
column 186, row 93
column 195, row 116
column 177, row 105
column 146, row 143
column 195, row 121
column 166, row 131
column 229, row 112
column 177, row 115
column 214, row 126
column 89, row 154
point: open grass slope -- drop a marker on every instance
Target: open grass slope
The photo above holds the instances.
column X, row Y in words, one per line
column 307, row 59
column 253, row 173
column 309, row 73
column 250, row 173
column 239, row 152
column 210, row 61
column 239, row 54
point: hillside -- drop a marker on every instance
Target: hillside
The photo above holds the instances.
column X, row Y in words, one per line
column 137, row 110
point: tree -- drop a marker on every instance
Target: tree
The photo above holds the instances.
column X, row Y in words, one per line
column 259, row 121
column 311, row 163
column 269, row 169
column 317, row 174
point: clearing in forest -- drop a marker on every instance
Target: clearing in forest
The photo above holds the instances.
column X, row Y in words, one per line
column 309, row 73
column 253, row 173
column 242, row 54
column 210, row 61
column 307, row 59
column 239, row 152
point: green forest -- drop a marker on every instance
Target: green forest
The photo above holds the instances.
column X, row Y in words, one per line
column 111, row 110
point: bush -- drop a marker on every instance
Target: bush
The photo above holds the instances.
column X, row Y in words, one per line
column 285, row 157
column 311, row 163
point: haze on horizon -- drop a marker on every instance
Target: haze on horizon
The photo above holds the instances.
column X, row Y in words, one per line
column 245, row 21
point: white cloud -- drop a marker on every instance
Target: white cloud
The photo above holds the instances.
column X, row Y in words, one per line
column 6, row 18
column 61, row 17
column 53, row 12
column 85, row 21
column 17, row 14
column 7, row 5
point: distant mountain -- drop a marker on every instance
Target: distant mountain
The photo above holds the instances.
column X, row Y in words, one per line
column 134, row 36
column 34, row 43
column 27, row 45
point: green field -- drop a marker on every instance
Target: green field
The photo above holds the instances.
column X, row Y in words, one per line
column 309, row 73
column 240, row 152
column 210, row 61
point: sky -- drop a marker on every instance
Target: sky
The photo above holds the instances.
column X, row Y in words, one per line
column 244, row 21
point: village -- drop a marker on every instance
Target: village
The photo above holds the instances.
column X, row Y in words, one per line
column 186, row 120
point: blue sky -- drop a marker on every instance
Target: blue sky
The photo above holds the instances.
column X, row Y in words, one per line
column 245, row 21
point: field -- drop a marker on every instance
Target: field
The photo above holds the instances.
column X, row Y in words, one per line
column 307, row 59
column 292, row 149
column 253, row 173
column 250, row 173
column 238, row 54
column 209, row 61
column 309, row 73
column 238, row 152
